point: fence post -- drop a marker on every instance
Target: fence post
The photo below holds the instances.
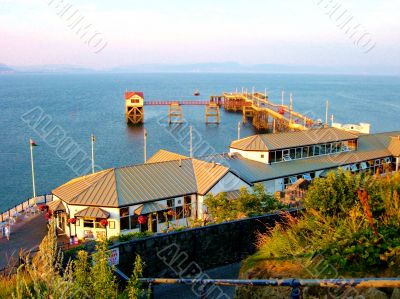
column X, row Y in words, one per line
column 296, row 291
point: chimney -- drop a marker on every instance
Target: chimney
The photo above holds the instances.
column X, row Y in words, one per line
column 180, row 162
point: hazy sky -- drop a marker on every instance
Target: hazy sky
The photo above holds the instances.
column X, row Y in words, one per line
column 188, row 31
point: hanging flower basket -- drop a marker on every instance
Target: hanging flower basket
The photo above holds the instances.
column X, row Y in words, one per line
column 72, row 220
column 43, row 207
column 142, row 219
column 48, row 215
column 104, row 222
column 170, row 213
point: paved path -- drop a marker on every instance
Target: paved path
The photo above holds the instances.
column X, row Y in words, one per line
column 185, row 292
column 24, row 235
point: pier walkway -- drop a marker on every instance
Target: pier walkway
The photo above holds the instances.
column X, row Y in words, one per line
column 25, row 235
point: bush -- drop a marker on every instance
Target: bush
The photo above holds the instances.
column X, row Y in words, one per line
column 357, row 234
column 248, row 204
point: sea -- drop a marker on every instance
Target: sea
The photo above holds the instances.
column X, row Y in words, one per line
column 61, row 111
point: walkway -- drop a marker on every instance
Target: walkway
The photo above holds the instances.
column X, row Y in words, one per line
column 24, row 235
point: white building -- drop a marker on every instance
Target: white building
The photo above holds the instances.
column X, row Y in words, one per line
column 170, row 188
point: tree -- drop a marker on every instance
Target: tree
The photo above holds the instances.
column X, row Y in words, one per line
column 134, row 289
column 102, row 278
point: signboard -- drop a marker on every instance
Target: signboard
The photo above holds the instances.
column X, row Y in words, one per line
column 113, row 260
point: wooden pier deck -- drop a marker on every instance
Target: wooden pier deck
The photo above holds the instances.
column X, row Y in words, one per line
column 266, row 114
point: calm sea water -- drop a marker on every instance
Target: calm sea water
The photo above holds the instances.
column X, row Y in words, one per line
column 93, row 103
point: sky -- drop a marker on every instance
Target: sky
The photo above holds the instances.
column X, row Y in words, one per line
column 132, row 32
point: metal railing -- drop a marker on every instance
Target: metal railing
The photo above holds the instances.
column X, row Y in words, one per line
column 295, row 284
column 21, row 207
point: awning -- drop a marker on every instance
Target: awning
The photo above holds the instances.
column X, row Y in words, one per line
column 150, row 207
column 93, row 212
column 56, row 206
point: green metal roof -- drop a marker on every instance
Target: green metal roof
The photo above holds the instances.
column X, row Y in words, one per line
column 370, row 147
column 268, row 142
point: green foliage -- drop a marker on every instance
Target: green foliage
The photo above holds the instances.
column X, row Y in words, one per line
column 134, row 289
column 341, row 230
column 86, row 277
column 130, row 236
column 248, row 204
column 102, row 278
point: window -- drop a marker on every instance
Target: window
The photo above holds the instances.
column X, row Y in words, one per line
column 306, row 152
column 262, row 156
column 354, row 168
column 111, row 224
column 123, row 212
column 88, row 223
column 307, row 177
column 364, row 166
column 161, row 216
column 293, row 153
column 170, row 203
column 388, row 160
column 293, row 179
column 272, row 157
column 299, row 153
column 278, row 156
column 323, row 149
column 316, row 150
column 187, row 206
column 134, row 221
column 124, row 223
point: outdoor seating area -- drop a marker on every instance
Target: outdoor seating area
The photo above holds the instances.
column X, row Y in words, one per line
column 21, row 213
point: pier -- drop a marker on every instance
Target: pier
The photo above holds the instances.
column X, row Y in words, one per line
column 255, row 107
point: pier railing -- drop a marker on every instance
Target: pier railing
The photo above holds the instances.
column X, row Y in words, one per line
column 23, row 206
column 205, row 287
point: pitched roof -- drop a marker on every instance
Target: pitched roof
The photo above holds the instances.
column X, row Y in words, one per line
column 163, row 155
column 130, row 94
column 142, row 183
column 149, row 182
column 267, row 142
column 98, row 189
column 207, row 173
column 93, row 212
column 56, row 205
column 394, row 146
column 370, row 147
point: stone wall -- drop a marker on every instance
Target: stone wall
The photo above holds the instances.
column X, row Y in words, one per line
column 192, row 250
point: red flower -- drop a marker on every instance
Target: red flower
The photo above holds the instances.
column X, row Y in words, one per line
column 104, row 222
column 43, row 207
column 170, row 213
column 48, row 215
column 72, row 220
column 142, row 219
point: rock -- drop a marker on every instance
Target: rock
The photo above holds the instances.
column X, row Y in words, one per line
column 395, row 294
